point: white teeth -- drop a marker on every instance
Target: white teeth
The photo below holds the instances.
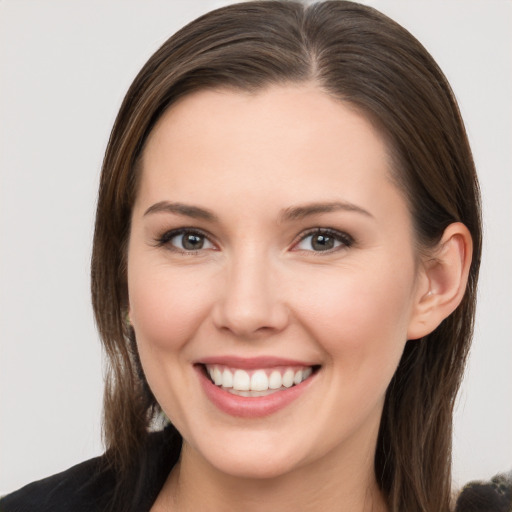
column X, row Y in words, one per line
column 217, row 376
column 241, row 381
column 288, row 378
column 275, row 381
column 253, row 393
column 227, row 379
column 258, row 383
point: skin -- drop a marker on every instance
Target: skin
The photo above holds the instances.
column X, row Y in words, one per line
column 257, row 287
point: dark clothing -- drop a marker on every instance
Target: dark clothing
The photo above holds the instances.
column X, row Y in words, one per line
column 82, row 488
column 493, row 496
column 89, row 486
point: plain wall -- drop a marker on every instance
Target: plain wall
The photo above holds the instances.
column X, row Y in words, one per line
column 64, row 68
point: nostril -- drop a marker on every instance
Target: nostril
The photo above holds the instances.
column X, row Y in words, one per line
column 249, row 304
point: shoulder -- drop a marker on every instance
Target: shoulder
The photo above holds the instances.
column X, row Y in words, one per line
column 84, row 487
column 492, row 496
column 93, row 486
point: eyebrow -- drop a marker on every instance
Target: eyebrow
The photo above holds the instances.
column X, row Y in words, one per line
column 181, row 209
column 288, row 214
column 302, row 211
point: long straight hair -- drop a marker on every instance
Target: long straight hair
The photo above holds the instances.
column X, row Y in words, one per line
column 361, row 57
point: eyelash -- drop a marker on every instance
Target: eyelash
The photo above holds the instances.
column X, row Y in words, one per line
column 344, row 239
column 165, row 239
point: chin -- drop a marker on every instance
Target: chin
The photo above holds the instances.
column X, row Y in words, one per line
column 251, row 456
column 258, row 468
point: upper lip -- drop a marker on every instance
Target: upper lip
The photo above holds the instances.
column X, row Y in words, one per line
column 252, row 362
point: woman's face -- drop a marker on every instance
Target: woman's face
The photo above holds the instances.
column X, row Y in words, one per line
column 270, row 248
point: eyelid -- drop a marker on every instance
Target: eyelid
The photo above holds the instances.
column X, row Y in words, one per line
column 344, row 238
column 164, row 239
column 341, row 236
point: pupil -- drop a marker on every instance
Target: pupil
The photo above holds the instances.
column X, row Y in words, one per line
column 192, row 242
column 322, row 242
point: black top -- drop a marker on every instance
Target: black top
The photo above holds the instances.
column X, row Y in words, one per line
column 88, row 487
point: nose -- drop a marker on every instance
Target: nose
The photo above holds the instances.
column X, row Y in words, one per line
column 250, row 304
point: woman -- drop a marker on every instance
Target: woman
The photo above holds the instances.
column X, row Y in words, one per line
column 288, row 221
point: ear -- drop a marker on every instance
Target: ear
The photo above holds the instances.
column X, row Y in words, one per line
column 442, row 280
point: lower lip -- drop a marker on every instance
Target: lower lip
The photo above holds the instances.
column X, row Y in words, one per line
column 251, row 407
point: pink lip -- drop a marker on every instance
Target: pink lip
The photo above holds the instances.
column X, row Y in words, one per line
column 251, row 407
column 253, row 362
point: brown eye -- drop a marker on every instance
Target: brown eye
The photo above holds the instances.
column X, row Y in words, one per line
column 191, row 241
column 185, row 240
column 322, row 241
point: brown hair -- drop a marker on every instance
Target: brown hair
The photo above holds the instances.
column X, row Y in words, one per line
column 359, row 56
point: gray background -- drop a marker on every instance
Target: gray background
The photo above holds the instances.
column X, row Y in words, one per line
column 64, row 68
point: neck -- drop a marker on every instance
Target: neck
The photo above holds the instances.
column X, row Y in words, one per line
column 343, row 484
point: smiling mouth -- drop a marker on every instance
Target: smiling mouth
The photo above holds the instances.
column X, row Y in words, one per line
column 257, row 382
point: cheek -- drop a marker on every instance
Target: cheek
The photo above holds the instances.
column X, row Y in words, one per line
column 166, row 309
column 166, row 305
column 361, row 321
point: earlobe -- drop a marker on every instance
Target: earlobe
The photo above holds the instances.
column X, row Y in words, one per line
column 445, row 275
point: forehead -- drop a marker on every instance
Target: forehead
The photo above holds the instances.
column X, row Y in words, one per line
column 290, row 143
column 294, row 111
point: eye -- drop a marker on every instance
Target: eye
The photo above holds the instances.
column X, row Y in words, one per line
column 324, row 240
column 185, row 240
